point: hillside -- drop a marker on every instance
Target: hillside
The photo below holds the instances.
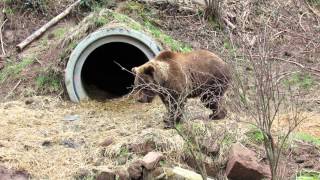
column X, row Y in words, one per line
column 44, row 135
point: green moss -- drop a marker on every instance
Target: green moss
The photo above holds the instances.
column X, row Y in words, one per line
column 307, row 138
column 308, row 175
column 152, row 29
column 59, row 32
column 13, row 69
column 48, row 82
column 314, row 2
column 255, row 135
column 300, row 80
column 228, row 139
column 101, row 21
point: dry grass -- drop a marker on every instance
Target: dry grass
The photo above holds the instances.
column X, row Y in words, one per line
column 24, row 129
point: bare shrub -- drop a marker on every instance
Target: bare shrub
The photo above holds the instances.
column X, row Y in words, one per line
column 261, row 95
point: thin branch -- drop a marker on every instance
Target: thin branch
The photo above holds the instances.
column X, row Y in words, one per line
column 1, row 38
column 13, row 89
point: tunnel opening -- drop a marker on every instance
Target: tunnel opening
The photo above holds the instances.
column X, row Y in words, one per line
column 101, row 74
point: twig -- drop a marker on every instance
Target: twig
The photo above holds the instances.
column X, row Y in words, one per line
column 1, row 39
column 300, row 19
column 293, row 62
column 297, row 64
column 14, row 88
column 44, row 28
column 38, row 61
column 232, row 26
column 312, row 10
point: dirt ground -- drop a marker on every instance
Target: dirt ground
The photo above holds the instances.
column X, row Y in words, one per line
column 40, row 135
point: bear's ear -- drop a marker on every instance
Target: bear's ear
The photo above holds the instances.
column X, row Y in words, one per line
column 134, row 70
column 149, row 70
column 166, row 55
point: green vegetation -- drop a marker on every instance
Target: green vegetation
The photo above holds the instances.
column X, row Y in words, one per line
column 96, row 4
column 229, row 138
column 145, row 16
column 40, row 6
column 48, row 82
column 300, row 80
column 308, row 175
column 153, row 30
column 227, row 45
column 13, row 69
column 314, row 2
column 59, row 32
column 123, row 151
column 307, row 138
column 100, row 21
column 255, row 135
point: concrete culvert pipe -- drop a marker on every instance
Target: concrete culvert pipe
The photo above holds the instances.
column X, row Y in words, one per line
column 92, row 71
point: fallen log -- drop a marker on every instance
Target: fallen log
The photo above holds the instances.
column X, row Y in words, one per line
column 45, row 27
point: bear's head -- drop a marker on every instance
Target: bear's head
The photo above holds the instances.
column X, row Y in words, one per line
column 151, row 76
column 144, row 82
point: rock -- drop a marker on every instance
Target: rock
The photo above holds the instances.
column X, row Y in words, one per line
column 7, row 174
column 46, row 143
column 106, row 175
column 178, row 173
column 69, row 143
column 122, row 174
column 301, row 159
column 151, row 160
column 121, row 160
column 209, row 164
column 243, row 164
column 209, row 147
column 157, row 173
column 135, row 170
column 29, row 101
column 308, row 165
column 82, row 174
column 142, row 148
column 71, row 118
column 107, row 142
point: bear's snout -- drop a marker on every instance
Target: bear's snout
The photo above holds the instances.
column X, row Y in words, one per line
column 144, row 99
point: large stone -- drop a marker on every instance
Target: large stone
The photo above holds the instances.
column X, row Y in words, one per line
column 106, row 175
column 243, row 164
column 209, row 147
column 135, row 170
column 142, row 147
column 122, row 174
column 209, row 164
column 178, row 173
column 107, row 142
column 157, row 173
column 151, row 160
column 7, row 174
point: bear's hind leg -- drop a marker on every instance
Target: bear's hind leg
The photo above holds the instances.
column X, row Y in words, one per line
column 212, row 102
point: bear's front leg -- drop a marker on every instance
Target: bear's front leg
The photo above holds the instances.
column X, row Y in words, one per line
column 174, row 111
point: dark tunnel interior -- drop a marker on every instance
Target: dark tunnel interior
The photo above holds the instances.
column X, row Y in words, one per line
column 103, row 78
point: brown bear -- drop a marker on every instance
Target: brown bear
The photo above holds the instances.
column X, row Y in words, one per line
column 178, row 76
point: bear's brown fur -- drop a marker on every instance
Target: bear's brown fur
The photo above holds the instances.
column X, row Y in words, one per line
column 174, row 76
